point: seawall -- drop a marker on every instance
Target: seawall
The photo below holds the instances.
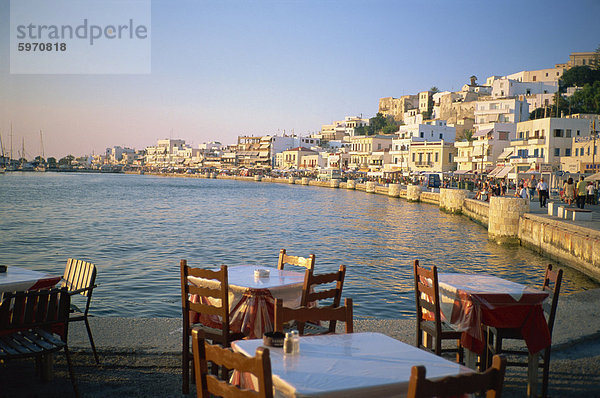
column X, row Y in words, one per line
column 508, row 220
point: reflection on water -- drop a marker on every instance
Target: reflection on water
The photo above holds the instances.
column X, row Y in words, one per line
column 137, row 228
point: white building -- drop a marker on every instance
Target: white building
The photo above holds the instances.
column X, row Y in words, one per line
column 544, row 141
column 509, row 88
column 115, row 154
column 488, row 145
column 541, row 75
column 501, row 111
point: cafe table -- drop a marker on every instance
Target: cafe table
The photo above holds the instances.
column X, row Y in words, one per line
column 252, row 298
column 348, row 365
column 20, row 279
column 469, row 302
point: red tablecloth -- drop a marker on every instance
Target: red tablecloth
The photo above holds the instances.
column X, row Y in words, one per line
column 472, row 301
column 252, row 300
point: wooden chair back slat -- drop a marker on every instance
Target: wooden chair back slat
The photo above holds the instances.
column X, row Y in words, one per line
column 207, row 384
column 205, row 291
column 307, row 262
column 491, row 380
column 552, row 284
column 79, row 274
column 34, row 308
column 306, row 314
column 319, row 287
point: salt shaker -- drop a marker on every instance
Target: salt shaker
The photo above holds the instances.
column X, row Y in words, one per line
column 288, row 344
column 296, row 342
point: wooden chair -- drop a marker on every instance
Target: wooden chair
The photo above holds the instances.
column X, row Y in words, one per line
column 313, row 314
column 32, row 317
column 80, row 278
column 220, row 291
column 454, row 386
column 551, row 284
column 427, row 297
column 207, row 384
column 319, row 288
column 307, row 262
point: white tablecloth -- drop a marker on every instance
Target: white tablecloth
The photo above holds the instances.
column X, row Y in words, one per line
column 19, row 279
column 349, row 365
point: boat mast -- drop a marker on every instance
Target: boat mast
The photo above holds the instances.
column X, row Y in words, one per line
column 42, row 146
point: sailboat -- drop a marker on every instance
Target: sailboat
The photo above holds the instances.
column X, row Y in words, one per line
column 41, row 166
column 11, row 166
column 2, row 167
column 25, row 165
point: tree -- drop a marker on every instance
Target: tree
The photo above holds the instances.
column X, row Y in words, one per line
column 596, row 61
column 434, row 90
column 552, row 111
column 378, row 124
column 39, row 159
column 468, row 135
column 578, row 76
column 586, row 100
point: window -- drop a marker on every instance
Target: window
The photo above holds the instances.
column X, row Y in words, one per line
column 441, row 136
column 413, row 157
column 535, row 153
column 558, row 133
column 437, row 157
column 568, row 133
column 567, row 151
column 556, row 151
column 588, row 151
column 578, row 132
column 450, row 157
column 378, row 146
column 422, row 135
column 503, row 135
column 534, row 78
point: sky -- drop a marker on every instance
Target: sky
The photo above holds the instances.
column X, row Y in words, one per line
column 220, row 69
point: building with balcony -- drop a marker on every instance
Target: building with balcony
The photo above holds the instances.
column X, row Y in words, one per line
column 428, row 156
column 584, row 157
column 501, row 111
column 361, row 147
column 487, row 149
column 293, row 158
column 509, row 88
column 545, row 141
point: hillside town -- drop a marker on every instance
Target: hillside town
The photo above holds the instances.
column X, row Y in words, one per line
column 482, row 130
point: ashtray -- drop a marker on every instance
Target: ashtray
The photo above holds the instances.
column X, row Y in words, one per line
column 2, row 268
column 273, row 339
column 261, row 273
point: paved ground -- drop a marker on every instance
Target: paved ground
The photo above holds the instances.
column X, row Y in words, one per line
column 140, row 357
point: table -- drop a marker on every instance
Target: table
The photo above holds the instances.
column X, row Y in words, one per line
column 19, row 279
column 252, row 300
column 470, row 301
column 349, row 365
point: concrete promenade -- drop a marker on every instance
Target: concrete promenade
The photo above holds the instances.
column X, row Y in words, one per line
column 141, row 357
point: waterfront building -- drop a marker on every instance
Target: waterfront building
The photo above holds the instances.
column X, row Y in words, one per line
column 432, row 156
column 363, row 145
column 115, row 154
column 417, row 131
column 293, row 158
column 338, row 160
column 489, row 143
column 584, row 157
column 544, row 141
column 169, row 153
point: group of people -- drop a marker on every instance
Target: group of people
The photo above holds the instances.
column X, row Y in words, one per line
column 580, row 194
column 490, row 188
column 527, row 189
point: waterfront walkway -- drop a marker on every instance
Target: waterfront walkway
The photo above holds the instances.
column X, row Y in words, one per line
column 141, row 357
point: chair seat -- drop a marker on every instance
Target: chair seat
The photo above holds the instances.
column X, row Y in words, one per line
column 447, row 331
column 28, row 343
column 214, row 332
column 309, row 329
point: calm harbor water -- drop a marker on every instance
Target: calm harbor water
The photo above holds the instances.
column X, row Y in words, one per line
column 137, row 228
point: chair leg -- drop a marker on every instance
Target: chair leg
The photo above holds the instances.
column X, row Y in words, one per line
column 71, row 374
column 546, row 371
column 185, row 364
column 89, row 332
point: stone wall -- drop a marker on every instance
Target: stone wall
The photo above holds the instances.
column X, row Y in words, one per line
column 576, row 246
column 451, row 200
column 430, row 197
column 504, row 215
column 476, row 210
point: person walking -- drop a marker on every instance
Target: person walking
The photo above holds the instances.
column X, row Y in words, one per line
column 581, row 193
column 531, row 185
column 590, row 193
column 569, row 191
column 542, row 189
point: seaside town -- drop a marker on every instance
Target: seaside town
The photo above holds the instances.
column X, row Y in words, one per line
column 531, row 123
column 192, row 306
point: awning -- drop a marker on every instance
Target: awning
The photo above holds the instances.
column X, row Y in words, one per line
column 483, row 133
column 495, row 171
column 506, row 153
column 504, row 172
column 477, row 151
column 462, row 171
column 593, row 177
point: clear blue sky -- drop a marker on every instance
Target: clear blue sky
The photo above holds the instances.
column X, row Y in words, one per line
column 223, row 69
